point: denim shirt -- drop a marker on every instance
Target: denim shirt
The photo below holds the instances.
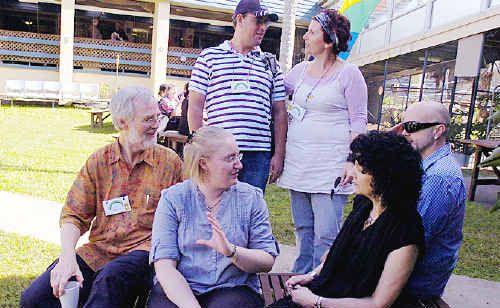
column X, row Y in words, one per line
column 442, row 207
column 181, row 219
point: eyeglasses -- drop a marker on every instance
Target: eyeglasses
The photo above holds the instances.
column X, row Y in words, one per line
column 414, row 126
column 263, row 20
column 234, row 158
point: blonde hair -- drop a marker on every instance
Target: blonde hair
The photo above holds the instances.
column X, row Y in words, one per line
column 203, row 144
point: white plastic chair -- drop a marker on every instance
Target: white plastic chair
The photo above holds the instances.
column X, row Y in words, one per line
column 51, row 90
column 89, row 92
column 33, row 89
column 70, row 92
column 14, row 88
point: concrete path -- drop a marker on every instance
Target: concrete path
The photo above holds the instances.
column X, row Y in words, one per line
column 485, row 194
column 39, row 219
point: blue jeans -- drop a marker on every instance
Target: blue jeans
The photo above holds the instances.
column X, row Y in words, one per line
column 255, row 168
column 317, row 218
column 117, row 284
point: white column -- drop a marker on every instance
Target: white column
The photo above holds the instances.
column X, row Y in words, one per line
column 485, row 4
column 287, row 35
column 429, row 7
column 388, row 24
column 66, row 44
column 159, row 50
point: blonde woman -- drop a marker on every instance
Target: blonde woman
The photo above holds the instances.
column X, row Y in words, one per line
column 211, row 233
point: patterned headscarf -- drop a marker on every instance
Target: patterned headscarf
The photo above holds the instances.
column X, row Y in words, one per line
column 324, row 20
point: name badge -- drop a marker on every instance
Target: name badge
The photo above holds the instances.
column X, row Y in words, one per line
column 240, row 86
column 296, row 112
column 116, row 206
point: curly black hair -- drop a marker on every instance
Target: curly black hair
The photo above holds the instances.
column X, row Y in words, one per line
column 342, row 28
column 395, row 166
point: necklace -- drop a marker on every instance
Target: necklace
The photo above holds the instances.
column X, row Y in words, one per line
column 211, row 205
column 368, row 222
column 309, row 96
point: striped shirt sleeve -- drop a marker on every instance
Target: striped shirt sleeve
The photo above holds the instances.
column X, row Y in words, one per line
column 279, row 92
column 200, row 76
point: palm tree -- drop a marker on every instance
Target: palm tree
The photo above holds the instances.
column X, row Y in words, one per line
column 288, row 35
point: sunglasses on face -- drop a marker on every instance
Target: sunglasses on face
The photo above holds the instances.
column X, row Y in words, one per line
column 263, row 20
column 413, row 126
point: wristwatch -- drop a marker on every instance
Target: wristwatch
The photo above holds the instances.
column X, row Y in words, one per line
column 233, row 252
column 313, row 274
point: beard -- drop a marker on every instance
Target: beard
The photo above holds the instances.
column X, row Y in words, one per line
column 143, row 141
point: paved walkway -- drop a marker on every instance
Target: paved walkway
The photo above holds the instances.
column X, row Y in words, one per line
column 485, row 194
column 38, row 218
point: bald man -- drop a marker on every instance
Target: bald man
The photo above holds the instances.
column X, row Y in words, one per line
column 442, row 202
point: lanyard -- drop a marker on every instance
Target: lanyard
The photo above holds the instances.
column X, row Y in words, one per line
column 309, row 96
column 242, row 57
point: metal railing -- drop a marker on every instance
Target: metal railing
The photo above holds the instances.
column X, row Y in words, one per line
column 420, row 19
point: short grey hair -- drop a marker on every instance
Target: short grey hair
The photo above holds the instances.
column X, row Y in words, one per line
column 122, row 105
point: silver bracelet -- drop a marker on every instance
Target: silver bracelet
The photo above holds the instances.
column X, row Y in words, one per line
column 318, row 302
column 233, row 252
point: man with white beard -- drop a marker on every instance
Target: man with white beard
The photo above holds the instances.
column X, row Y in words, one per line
column 114, row 196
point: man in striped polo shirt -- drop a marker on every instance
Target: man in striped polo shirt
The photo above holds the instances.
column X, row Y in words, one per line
column 242, row 91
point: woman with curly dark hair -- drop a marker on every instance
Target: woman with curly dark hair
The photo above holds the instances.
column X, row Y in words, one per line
column 329, row 109
column 374, row 253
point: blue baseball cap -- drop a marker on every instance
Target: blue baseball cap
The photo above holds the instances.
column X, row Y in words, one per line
column 254, row 6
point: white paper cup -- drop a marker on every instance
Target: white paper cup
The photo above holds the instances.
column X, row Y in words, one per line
column 71, row 293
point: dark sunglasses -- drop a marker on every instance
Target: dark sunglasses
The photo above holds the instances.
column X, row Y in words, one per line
column 413, row 126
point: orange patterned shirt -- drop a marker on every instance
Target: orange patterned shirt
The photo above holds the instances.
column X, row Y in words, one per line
column 105, row 176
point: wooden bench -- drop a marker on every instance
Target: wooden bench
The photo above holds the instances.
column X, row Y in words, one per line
column 273, row 286
column 274, row 289
column 482, row 148
column 97, row 117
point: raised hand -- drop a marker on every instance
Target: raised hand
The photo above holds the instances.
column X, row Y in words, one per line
column 218, row 241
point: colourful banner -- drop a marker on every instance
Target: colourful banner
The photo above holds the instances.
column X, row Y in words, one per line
column 358, row 12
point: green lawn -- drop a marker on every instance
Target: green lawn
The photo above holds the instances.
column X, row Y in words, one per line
column 21, row 260
column 41, row 149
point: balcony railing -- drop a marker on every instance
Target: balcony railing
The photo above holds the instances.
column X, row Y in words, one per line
column 91, row 54
column 417, row 20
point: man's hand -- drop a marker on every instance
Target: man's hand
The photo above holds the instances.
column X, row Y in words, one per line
column 397, row 129
column 275, row 168
column 66, row 268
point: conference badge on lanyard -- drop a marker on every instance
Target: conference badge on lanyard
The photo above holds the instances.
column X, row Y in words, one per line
column 116, row 206
column 296, row 112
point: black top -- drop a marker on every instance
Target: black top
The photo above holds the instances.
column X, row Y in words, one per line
column 356, row 259
column 183, row 122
